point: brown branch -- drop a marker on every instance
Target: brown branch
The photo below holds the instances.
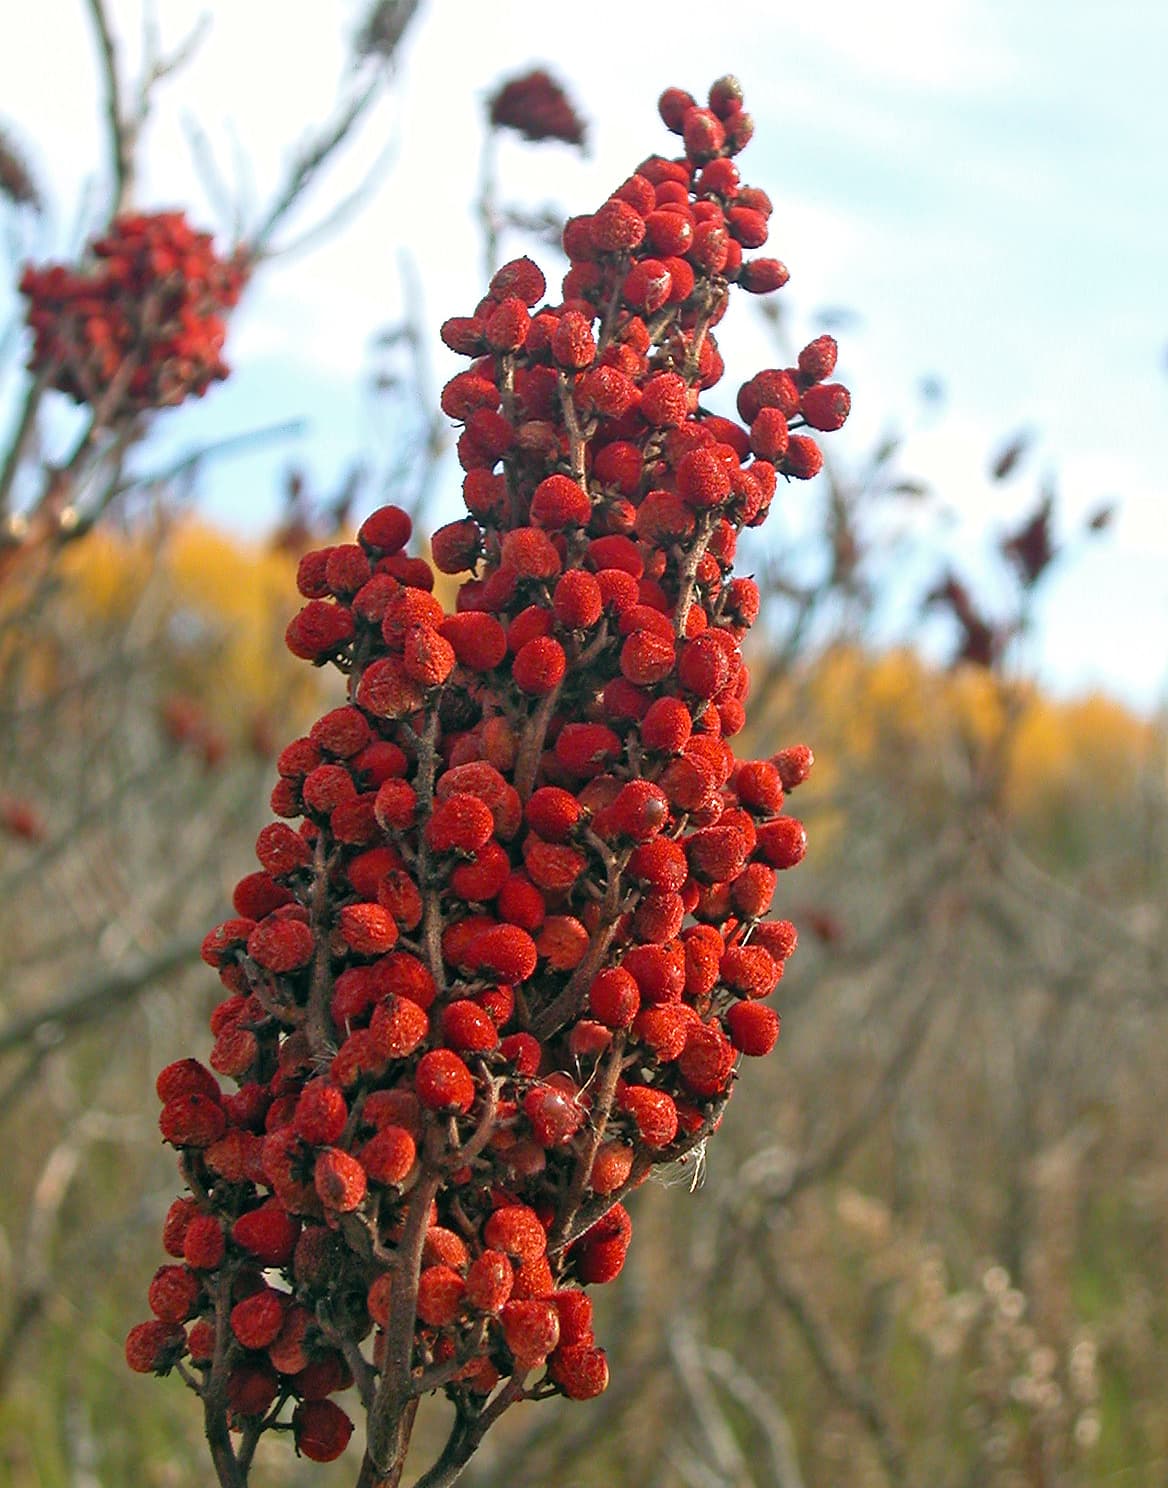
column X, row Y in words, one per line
column 24, row 428
column 307, row 165
column 484, row 1130
column 391, row 1415
column 118, row 127
column 566, row 1004
column 486, row 206
column 588, row 1214
column 577, row 437
column 424, row 775
column 829, row 1359
column 601, row 1110
column 95, row 998
column 531, row 745
column 466, row 1434
column 507, row 398
column 318, row 1023
column 608, row 320
column 227, row 1467
column 687, row 575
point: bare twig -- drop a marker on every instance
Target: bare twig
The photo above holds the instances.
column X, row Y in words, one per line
column 306, row 166
column 118, row 126
column 95, row 997
column 829, row 1359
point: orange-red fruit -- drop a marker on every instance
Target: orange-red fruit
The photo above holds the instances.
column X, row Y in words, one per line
column 559, row 502
column 614, row 997
column 339, row 1179
column 794, row 765
column 666, row 726
column 257, row 1320
column 577, row 602
column 782, row 842
column 654, row 1113
column 826, row 406
column 186, row 1077
column 803, row 459
column 573, row 344
column 504, row 951
column 321, row 1430
column 763, row 275
column 192, row 1121
column 706, row 1060
column 465, row 1025
column 268, row 1232
column 174, row 1293
column 428, row 657
column 817, row 359
column 443, row 1082
column 320, row 1113
column 151, row 1348
column 611, row 1166
column 754, row 1027
column 555, row 1115
column 388, row 1157
column 399, row 1024
column 540, row 666
column 516, row 1230
column 750, row 971
column 204, row 1245
column 461, row 823
column 489, row 1280
column 440, row 1294
column 580, row 1370
column 281, row 945
column 251, row 1388
column 531, row 1330
column 640, row 811
column 479, row 641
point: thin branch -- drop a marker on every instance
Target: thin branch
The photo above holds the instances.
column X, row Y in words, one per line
column 702, row 1413
column 346, row 209
column 829, row 1359
column 307, row 165
column 119, row 130
column 230, row 444
column 763, row 1408
column 468, row 1432
column 94, row 998
column 20, row 435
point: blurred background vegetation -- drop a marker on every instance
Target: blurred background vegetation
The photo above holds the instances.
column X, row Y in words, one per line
column 930, row 1247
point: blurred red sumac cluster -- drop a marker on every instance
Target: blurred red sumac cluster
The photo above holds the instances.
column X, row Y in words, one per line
column 140, row 325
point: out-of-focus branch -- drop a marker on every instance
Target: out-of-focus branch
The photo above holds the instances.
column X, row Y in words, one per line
column 764, row 1410
column 230, row 444
column 25, row 425
column 95, row 997
column 34, row 1285
column 118, row 126
column 829, row 1358
column 702, row 1413
column 306, row 166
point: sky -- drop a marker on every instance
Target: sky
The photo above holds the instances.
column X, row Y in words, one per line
column 981, row 183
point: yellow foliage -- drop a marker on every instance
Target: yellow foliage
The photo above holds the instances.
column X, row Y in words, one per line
column 221, row 603
column 894, row 716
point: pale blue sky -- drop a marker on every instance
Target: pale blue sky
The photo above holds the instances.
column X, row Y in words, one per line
column 984, row 182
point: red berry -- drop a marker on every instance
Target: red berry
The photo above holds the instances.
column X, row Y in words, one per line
column 321, row 1430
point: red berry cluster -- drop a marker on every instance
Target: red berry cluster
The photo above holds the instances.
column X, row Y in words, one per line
column 536, row 107
column 142, row 324
column 507, row 961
